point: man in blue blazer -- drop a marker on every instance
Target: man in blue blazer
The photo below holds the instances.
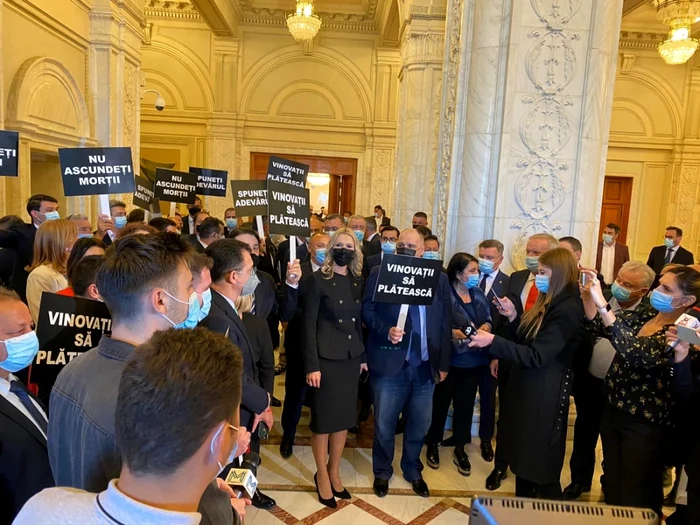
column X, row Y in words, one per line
column 404, row 366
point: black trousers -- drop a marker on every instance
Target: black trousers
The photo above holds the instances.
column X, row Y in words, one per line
column 633, row 450
column 528, row 489
column 487, row 406
column 588, row 394
column 458, row 388
column 295, row 388
column 503, row 373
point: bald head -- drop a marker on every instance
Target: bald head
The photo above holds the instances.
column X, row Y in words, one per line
column 317, row 244
column 410, row 243
column 15, row 320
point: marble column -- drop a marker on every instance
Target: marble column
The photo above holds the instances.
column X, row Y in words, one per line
column 420, row 76
column 534, row 84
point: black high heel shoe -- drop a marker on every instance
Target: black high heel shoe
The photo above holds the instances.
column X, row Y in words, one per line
column 343, row 494
column 330, row 502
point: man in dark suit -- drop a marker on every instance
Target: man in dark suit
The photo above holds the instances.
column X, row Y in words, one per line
column 670, row 252
column 523, row 293
column 389, row 238
column 380, row 214
column 24, row 460
column 404, row 366
column 211, row 229
column 372, row 244
column 20, row 238
column 611, row 254
column 189, row 222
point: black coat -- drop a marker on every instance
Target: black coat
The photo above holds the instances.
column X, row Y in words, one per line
column 263, row 352
column 24, row 461
column 535, row 409
column 21, row 240
column 657, row 258
column 293, row 337
column 499, row 288
column 224, row 320
column 373, row 247
column 369, row 263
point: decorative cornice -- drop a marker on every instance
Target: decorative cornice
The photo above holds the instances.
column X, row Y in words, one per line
column 432, row 12
column 278, row 17
column 641, row 40
column 179, row 9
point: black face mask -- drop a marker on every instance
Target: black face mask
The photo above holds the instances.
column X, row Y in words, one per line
column 343, row 256
column 256, row 259
column 194, row 211
column 406, row 251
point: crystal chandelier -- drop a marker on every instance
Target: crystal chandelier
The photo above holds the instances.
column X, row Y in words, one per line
column 304, row 24
column 679, row 15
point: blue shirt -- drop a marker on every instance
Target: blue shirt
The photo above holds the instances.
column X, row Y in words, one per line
column 424, row 355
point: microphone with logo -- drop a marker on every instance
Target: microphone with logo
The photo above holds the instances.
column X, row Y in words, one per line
column 688, row 320
column 242, row 479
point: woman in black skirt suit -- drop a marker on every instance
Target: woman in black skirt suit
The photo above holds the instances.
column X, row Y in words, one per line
column 334, row 358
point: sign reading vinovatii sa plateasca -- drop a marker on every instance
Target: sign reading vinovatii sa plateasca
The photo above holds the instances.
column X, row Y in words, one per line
column 407, row 280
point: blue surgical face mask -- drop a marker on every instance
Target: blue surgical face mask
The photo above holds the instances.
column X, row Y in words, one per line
column 120, row 222
column 661, row 302
column 433, row 256
column 620, row 292
column 359, row 235
column 486, row 266
column 231, row 223
column 668, row 242
column 472, row 281
column 607, row 239
column 84, row 235
column 20, row 352
column 250, row 285
column 542, row 283
column 388, row 247
column 187, row 322
column 206, row 304
column 321, row 256
column 532, row 263
column 234, row 450
column 52, row 215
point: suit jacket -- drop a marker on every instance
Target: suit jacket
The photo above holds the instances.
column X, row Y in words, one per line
column 657, row 258
column 333, row 319
column 386, row 221
column 499, row 288
column 622, row 255
column 263, row 353
column 369, row 263
column 223, row 319
column 293, row 338
column 21, row 240
column 198, row 245
column 24, row 461
column 186, row 226
column 387, row 359
column 283, row 257
column 372, row 247
column 516, row 284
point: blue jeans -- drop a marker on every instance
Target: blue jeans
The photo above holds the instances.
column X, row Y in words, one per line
column 415, row 390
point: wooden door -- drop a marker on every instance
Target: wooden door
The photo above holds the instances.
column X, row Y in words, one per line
column 617, row 195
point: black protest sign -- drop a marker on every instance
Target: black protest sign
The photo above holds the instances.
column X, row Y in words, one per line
column 96, row 171
column 9, row 148
column 249, row 197
column 143, row 193
column 407, row 280
column 175, row 186
column 211, row 182
column 287, row 172
column 288, row 209
column 67, row 327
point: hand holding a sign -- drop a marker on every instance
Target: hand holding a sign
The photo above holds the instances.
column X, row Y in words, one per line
column 105, row 224
column 481, row 339
column 395, row 335
column 293, row 273
column 314, row 379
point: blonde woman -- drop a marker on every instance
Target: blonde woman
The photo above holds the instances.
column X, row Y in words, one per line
column 535, row 411
column 52, row 245
column 334, row 357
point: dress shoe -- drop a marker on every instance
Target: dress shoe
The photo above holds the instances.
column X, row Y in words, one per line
column 381, row 487
column 462, row 461
column 401, row 425
column 420, row 488
column 261, row 501
column 275, row 402
column 493, row 482
column 343, row 494
column 487, row 451
column 432, row 455
column 330, row 502
column 364, row 415
column 354, row 430
column 575, row 490
column 449, row 442
column 286, row 447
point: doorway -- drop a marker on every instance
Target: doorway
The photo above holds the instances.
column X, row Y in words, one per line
column 331, row 180
column 617, row 196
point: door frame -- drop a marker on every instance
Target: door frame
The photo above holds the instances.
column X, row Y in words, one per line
column 634, row 204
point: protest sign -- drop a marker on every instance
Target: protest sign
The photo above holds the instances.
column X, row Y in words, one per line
column 210, row 182
column 143, row 193
column 249, row 197
column 96, row 171
column 67, row 327
column 289, row 212
column 9, row 148
column 287, row 172
column 175, row 186
column 407, row 280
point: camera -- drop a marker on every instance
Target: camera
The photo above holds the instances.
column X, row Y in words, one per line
column 160, row 103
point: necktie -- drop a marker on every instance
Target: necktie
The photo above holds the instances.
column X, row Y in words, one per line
column 531, row 297
column 414, row 353
column 18, row 389
column 669, row 253
column 482, row 284
column 252, row 306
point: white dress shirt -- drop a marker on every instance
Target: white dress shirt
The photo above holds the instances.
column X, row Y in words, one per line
column 607, row 263
column 490, row 278
column 674, row 250
column 191, row 219
column 526, row 289
column 15, row 401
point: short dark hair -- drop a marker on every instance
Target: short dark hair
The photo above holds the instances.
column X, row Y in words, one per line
column 574, row 242
column 458, row 263
column 243, row 231
column 679, row 232
column 492, row 243
column 392, row 229
column 227, row 255
column 196, row 262
column 336, row 216
column 161, row 223
column 371, row 223
column 424, row 231
column 613, row 226
column 134, row 265
column 84, row 272
column 421, row 214
column 432, row 238
column 379, row 206
column 209, row 227
column 114, row 203
column 10, row 222
column 79, row 250
column 188, row 380
column 34, row 202
column 136, row 215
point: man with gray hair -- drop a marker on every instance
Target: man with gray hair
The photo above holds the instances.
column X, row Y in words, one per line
column 372, row 244
column 82, row 223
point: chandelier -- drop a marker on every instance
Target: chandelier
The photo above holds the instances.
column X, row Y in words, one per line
column 304, row 24
column 679, row 15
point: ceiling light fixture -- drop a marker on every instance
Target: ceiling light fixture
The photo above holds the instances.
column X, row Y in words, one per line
column 304, row 24
column 679, row 15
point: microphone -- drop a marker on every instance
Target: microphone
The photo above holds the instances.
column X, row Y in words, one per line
column 689, row 320
column 242, row 479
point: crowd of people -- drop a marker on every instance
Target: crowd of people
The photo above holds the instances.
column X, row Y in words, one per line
column 144, row 427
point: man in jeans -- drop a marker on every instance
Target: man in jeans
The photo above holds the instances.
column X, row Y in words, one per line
column 403, row 367
column 145, row 283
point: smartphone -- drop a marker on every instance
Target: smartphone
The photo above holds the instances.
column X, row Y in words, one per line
column 583, row 278
column 688, row 334
column 499, row 300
